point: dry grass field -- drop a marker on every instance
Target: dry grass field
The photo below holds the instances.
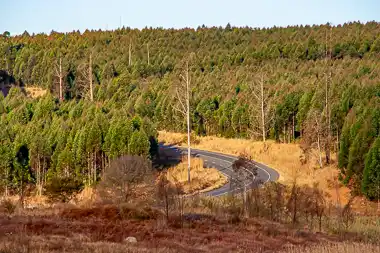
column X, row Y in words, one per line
column 287, row 159
column 202, row 180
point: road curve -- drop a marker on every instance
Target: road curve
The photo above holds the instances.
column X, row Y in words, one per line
column 223, row 163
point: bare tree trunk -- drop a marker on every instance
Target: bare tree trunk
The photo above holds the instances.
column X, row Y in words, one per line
column 261, row 104
column 147, row 46
column 60, row 80
column 22, row 192
column 337, row 145
column 130, row 53
column 90, row 79
column 319, row 151
column 293, row 129
column 39, row 188
column 294, row 218
column 95, row 177
column 245, row 201
column 6, row 183
column 327, row 95
column 183, row 99
column 89, row 168
column 188, row 122
column 262, row 108
column 43, row 176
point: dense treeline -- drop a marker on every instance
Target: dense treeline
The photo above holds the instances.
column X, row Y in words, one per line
column 319, row 84
column 42, row 140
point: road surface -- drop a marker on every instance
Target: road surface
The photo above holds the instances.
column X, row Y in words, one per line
column 223, row 163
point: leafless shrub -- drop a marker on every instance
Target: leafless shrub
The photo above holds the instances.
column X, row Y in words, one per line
column 121, row 180
column 245, row 173
column 254, row 202
column 274, row 200
column 166, row 192
column 7, row 206
column 347, row 216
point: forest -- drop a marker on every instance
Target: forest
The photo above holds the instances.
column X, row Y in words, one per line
column 112, row 90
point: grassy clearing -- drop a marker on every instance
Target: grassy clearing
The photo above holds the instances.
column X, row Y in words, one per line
column 201, row 179
column 287, row 159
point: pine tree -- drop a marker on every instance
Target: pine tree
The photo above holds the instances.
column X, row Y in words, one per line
column 371, row 176
column 139, row 144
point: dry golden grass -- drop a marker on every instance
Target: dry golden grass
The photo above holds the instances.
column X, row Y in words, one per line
column 283, row 157
column 35, row 92
column 345, row 247
column 201, row 179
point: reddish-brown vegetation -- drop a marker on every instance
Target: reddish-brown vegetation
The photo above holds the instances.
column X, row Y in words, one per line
column 108, row 225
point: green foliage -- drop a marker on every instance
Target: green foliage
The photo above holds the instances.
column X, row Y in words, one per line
column 371, row 175
column 43, row 141
column 139, row 144
column 62, row 189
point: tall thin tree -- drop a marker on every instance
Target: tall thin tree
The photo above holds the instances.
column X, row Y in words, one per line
column 86, row 79
column 327, row 95
column 183, row 96
column 90, row 79
column 147, row 47
column 60, row 75
column 130, row 53
column 262, row 106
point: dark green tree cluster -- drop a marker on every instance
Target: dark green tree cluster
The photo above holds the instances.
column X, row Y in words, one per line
column 320, row 85
column 42, row 140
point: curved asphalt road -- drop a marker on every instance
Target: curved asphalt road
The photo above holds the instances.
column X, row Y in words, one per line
column 223, row 163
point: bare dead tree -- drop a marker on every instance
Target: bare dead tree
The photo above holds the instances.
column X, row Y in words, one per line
column 121, row 179
column 245, row 173
column 182, row 97
column 314, row 134
column 274, row 199
column 347, row 216
column 166, row 192
column 130, row 53
column 147, row 47
column 319, row 205
column 262, row 106
column 59, row 74
column 90, row 79
column 293, row 202
column 86, row 79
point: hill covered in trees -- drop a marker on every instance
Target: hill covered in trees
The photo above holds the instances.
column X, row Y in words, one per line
column 318, row 84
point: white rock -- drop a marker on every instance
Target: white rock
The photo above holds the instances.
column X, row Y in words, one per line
column 130, row 239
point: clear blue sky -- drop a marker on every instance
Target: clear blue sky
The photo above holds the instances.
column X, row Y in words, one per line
column 67, row 15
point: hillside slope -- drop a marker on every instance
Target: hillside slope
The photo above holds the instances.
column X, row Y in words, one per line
column 320, row 84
